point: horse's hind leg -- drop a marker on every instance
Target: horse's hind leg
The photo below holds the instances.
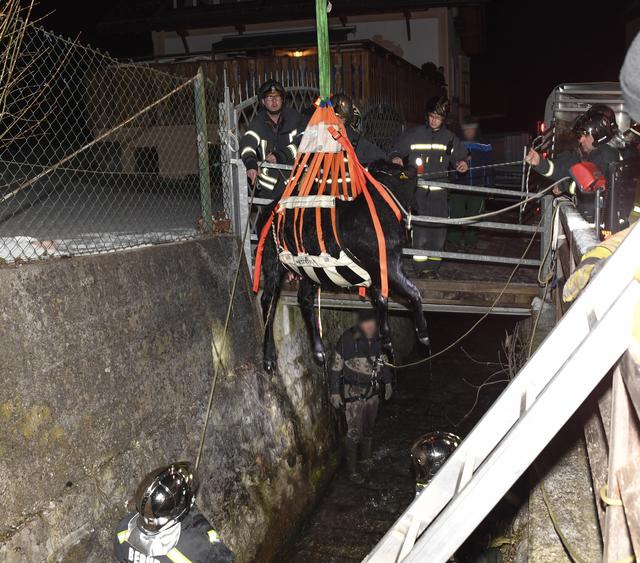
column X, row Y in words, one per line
column 381, row 305
column 305, row 300
column 273, row 277
column 405, row 290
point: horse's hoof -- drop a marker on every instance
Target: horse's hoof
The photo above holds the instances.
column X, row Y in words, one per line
column 270, row 365
column 424, row 340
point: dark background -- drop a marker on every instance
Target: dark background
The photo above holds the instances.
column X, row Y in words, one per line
column 531, row 47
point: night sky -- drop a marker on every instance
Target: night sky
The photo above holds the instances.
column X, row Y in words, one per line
column 530, row 48
column 534, row 46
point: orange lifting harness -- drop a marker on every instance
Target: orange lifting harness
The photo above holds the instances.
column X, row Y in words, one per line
column 335, row 172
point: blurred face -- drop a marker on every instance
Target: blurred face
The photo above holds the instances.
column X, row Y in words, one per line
column 470, row 133
column 273, row 102
column 586, row 143
column 435, row 121
column 369, row 328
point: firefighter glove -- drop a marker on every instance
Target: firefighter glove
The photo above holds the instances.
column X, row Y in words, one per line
column 388, row 391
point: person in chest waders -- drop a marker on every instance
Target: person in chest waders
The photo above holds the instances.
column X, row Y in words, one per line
column 433, row 149
column 357, row 379
column 166, row 526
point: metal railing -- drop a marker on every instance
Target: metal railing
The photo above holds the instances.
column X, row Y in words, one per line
column 104, row 155
column 459, row 256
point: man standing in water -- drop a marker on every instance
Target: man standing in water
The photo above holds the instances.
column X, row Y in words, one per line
column 358, row 378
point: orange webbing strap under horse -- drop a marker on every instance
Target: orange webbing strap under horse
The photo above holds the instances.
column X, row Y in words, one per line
column 326, row 165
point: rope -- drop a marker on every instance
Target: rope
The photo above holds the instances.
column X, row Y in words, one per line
column 484, row 166
column 571, row 552
column 472, row 218
column 214, row 350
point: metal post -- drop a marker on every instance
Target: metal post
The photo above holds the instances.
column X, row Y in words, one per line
column 546, row 208
column 244, row 213
column 203, row 151
column 228, row 149
column 524, row 185
column 598, row 213
column 614, row 223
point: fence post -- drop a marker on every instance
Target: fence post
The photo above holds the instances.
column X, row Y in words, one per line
column 546, row 209
column 203, row 150
column 623, row 444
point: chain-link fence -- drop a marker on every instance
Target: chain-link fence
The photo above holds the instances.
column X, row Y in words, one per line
column 382, row 123
column 97, row 155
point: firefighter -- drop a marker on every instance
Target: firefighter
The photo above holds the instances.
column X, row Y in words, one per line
column 273, row 136
column 349, row 114
column 357, row 379
column 167, row 526
column 594, row 129
column 428, row 455
column 433, row 149
column 463, row 204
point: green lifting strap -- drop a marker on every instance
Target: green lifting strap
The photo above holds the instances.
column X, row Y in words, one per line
column 324, row 65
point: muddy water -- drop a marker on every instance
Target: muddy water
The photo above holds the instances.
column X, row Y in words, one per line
column 350, row 519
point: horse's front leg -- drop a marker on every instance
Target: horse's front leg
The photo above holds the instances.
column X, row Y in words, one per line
column 305, row 300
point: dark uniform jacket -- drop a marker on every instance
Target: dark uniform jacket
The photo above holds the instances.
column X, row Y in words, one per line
column 264, row 136
column 436, row 151
column 198, row 543
column 559, row 167
column 481, row 154
column 355, row 360
column 366, row 151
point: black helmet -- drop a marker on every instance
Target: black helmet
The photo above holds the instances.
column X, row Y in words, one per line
column 343, row 106
column 438, row 105
column 165, row 496
column 430, row 452
column 271, row 87
column 599, row 121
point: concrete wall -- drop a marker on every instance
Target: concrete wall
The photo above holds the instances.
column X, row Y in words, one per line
column 105, row 369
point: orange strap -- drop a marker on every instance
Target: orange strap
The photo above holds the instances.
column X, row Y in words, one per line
column 323, row 184
column 382, row 245
column 258, row 265
column 298, row 217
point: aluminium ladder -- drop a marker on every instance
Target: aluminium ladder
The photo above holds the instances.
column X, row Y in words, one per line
column 571, row 361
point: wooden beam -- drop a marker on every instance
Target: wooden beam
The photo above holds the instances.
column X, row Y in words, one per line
column 624, row 446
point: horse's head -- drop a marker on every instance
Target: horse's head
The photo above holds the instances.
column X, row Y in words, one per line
column 402, row 181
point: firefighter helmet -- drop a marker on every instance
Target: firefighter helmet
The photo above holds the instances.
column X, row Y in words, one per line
column 438, row 105
column 165, row 496
column 430, row 452
column 343, row 106
column 599, row 122
column 271, row 87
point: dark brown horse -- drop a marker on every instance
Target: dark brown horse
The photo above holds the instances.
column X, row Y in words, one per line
column 357, row 237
